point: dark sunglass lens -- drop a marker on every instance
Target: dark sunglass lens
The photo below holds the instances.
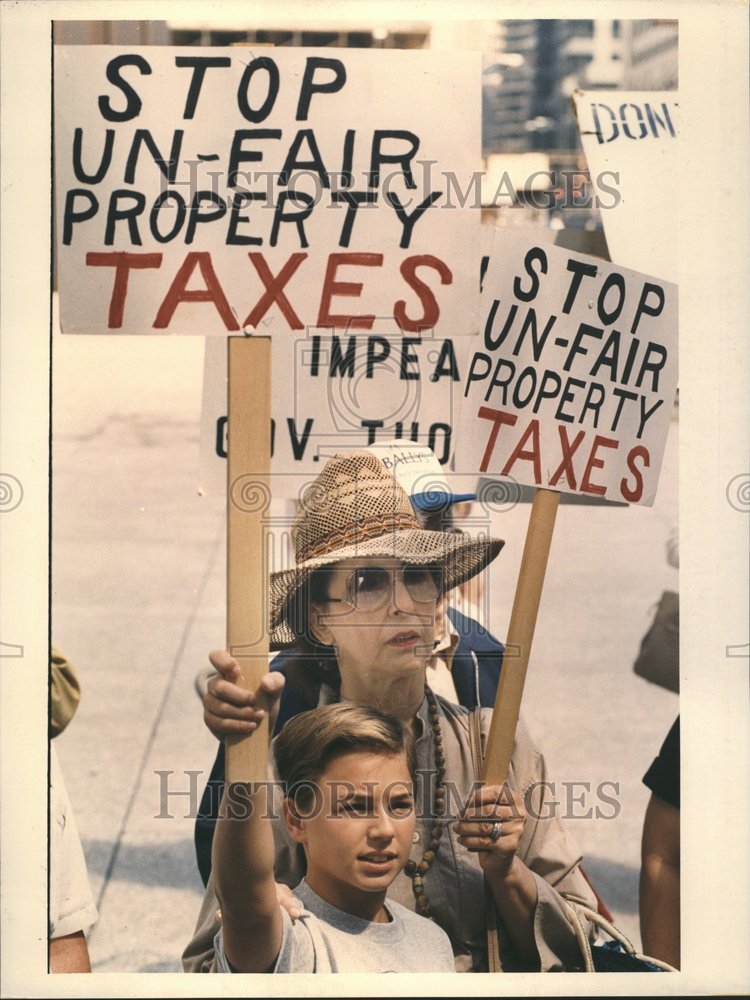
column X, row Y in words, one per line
column 369, row 586
column 421, row 583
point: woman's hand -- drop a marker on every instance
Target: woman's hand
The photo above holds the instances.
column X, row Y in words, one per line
column 491, row 825
column 229, row 709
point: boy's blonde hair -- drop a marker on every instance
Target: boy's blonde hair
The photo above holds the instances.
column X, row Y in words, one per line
column 309, row 741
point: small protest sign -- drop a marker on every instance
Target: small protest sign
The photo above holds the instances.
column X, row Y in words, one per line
column 572, row 380
column 335, row 393
column 216, row 191
column 634, row 137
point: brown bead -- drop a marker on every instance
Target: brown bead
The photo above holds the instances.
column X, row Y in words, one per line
column 416, row 869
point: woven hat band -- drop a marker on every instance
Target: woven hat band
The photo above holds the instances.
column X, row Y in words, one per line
column 372, row 526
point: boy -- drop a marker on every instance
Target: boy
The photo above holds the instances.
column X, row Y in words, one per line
column 348, row 774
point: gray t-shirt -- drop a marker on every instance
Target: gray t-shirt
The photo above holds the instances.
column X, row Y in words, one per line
column 326, row 939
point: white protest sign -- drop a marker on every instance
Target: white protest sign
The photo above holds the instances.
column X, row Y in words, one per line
column 335, row 393
column 218, row 190
column 631, row 142
column 573, row 377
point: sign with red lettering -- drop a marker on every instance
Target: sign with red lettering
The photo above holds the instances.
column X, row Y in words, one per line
column 572, row 381
column 219, row 190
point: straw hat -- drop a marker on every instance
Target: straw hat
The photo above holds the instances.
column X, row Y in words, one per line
column 356, row 508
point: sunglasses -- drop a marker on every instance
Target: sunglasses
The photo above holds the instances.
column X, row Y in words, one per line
column 370, row 587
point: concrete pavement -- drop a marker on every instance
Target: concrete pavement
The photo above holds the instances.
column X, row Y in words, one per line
column 138, row 600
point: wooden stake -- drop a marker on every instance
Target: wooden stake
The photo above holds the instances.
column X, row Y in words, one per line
column 248, row 497
column 520, row 636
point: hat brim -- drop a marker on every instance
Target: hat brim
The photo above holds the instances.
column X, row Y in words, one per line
column 458, row 556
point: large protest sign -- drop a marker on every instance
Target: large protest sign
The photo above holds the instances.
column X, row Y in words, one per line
column 217, row 191
column 573, row 377
column 221, row 193
column 635, row 138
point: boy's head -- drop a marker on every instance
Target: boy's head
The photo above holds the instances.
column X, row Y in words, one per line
column 310, row 741
column 348, row 773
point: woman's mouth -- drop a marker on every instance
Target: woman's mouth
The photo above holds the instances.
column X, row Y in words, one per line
column 403, row 640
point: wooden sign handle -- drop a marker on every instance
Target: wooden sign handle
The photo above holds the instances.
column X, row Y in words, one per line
column 248, row 497
column 520, row 636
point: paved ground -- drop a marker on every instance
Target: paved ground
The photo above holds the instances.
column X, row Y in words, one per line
column 138, row 600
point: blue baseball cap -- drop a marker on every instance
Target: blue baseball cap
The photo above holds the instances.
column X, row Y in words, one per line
column 416, row 469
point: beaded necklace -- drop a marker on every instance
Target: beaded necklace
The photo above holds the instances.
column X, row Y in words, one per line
column 416, row 870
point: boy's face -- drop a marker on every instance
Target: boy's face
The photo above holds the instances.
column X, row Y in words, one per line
column 360, row 828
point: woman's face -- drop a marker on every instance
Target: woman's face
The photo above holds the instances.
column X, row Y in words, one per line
column 380, row 616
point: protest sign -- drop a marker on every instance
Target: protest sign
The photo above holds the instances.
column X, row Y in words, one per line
column 587, row 241
column 573, row 378
column 569, row 389
column 226, row 192
column 634, row 137
column 221, row 191
column 341, row 393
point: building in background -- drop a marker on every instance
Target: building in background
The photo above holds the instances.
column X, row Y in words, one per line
column 218, row 28
column 532, row 69
column 538, row 64
column 649, row 55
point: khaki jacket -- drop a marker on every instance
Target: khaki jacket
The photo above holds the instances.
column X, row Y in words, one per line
column 454, row 884
column 65, row 692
